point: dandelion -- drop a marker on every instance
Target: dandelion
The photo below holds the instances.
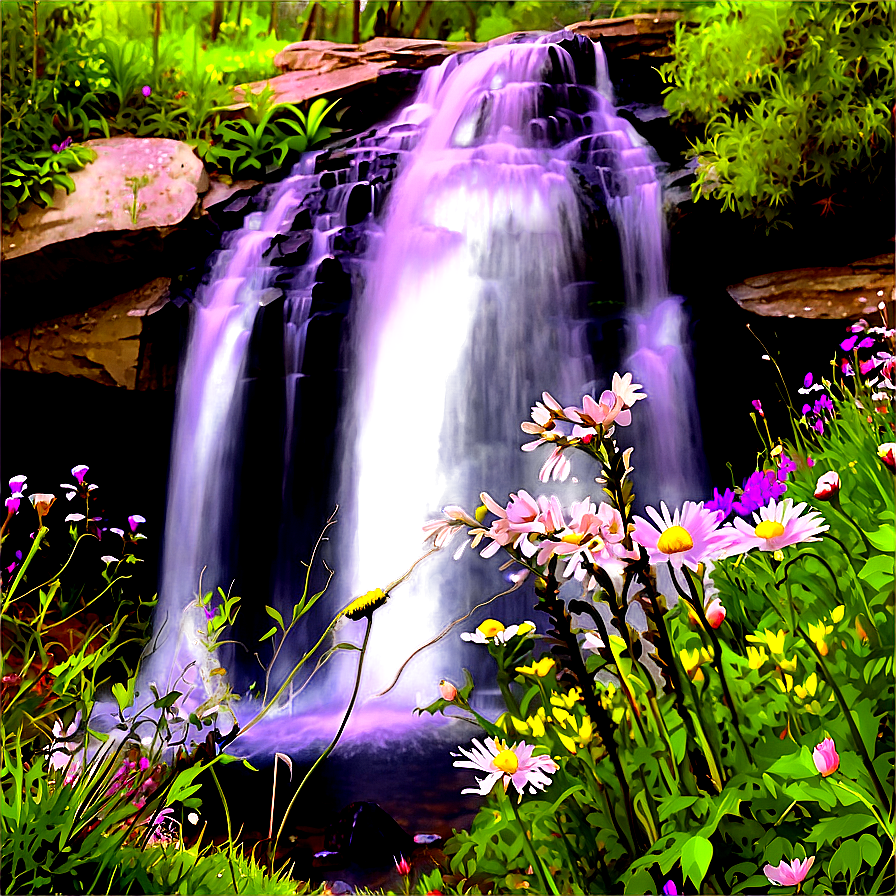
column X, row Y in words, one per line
column 788, row 874
column 363, row 606
column 510, row 765
column 777, row 526
column 688, row 537
column 493, row 632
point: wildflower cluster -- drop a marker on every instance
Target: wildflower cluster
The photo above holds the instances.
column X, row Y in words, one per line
column 748, row 698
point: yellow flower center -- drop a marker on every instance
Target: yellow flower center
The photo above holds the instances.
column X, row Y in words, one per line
column 507, row 762
column 675, row 540
column 769, row 529
column 490, row 628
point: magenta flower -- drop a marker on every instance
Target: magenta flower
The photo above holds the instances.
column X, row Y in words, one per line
column 825, row 757
column 17, row 484
column 13, row 502
column 688, row 537
column 715, row 613
column 669, row 888
column 849, row 343
column 887, row 453
column 789, row 874
column 776, row 526
column 60, row 147
column 134, row 521
column 757, row 404
column 79, row 473
column 146, row 90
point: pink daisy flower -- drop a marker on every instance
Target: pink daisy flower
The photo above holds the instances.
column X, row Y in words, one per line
column 776, row 526
column 789, row 874
column 688, row 537
column 514, row 765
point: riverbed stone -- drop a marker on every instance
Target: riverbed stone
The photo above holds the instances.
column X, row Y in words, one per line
column 834, row 293
column 167, row 176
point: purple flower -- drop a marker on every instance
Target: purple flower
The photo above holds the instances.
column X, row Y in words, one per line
column 134, row 521
column 866, row 367
column 17, row 483
column 867, row 342
column 669, row 888
column 59, row 147
column 721, row 502
column 13, row 501
column 758, row 490
column 79, row 473
column 808, row 380
column 209, row 612
column 757, row 404
column 146, row 90
column 859, row 326
column 818, row 425
column 786, row 464
column 806, row 409
column 849, row 343
column 846, row 368
column 823, row 405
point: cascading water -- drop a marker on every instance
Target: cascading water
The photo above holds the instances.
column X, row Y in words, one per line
column 468, row 301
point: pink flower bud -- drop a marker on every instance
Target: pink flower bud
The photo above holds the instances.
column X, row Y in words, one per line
column 828, row 486
column 715, row 613
column 447, row 690
column 825, row 757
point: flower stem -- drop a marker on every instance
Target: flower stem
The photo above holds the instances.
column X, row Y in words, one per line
column 546, row 880
column 332, row 745
column 857, row 738
column 34, row 547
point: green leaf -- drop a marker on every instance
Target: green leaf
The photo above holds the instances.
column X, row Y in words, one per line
column 183, row 784
column 877, row 571
column 696, row 854
column 884, row 539
column 642, row 882
column 167, row 701
column 795, row 765
column 271, row 631
column 871, row 848
column 275, row 616
column 840, row 826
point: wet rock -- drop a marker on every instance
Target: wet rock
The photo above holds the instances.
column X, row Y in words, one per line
column 631, row 37
column 366, row 835
column 166, row 175
column 826, row 293
column 101, row 344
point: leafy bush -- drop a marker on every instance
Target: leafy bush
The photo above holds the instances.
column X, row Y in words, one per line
column 789, row 98
column 740, row 733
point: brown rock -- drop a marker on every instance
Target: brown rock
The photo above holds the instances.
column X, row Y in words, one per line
column 631, row 36
column 101, row 344
column 319, row 68
column 167, row 175
column 826, row 293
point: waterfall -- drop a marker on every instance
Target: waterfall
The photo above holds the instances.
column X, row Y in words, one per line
column 454, row 250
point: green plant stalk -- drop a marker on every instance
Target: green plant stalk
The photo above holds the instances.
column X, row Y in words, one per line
column 717, row 658
column 236, row 889
column 34, row 35
column 546, row 880
column 835, row 503
column 857, row 738
column 41, row 534
column 332, row 744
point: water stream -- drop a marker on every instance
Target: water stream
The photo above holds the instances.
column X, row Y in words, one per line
column 451, row 250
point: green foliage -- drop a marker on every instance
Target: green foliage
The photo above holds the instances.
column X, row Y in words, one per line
column 787, row 98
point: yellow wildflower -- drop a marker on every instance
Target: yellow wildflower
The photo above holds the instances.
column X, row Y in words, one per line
column 786, row 684
column 365, row 604
column 775, row 641
column 539, row 668
column 837, row 614
column 808, row 688
column 756, row 657
column 817, row 632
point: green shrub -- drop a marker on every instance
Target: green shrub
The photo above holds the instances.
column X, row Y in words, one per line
column 787, row 99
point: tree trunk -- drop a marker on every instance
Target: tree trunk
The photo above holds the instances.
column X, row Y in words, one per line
column 275, row 18
column 356, row 22
column 309, row 25
column 472, row 13
column 217, row 18
column 421, row 19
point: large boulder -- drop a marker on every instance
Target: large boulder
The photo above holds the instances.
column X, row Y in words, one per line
column 133, row 183
column 851, row 291
column 101, row 344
